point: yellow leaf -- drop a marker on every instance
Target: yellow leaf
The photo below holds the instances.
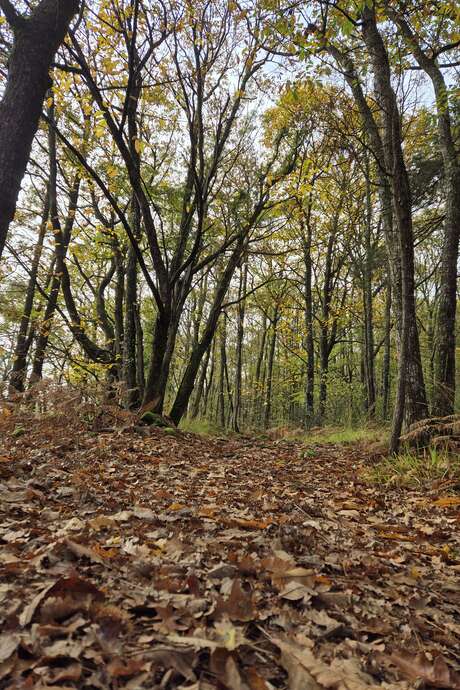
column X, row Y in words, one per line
column 176, row 506
column 139, row 145
column 447, row 501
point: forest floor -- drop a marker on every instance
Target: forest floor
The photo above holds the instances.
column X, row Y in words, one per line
column 143, row 558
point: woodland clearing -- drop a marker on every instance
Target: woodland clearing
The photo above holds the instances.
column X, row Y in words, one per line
column 149, row 558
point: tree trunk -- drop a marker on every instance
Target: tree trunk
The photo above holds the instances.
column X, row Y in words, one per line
column 324, row 369
column 188, row 380
column 367, row 300
column 19, row 370
column 444, row 363
column 386, row 355
column 209, row 381
column 59, row 248
column 61, row 238
column 223, row 366
column 324, row 340
column 129, row 330
column 118, row 309
column 140, row 370
column 309, row 340
column 36, row 40
column 239, row 348
column 414, row 383
column 271, row 359
column 410, row 368
column 200, row 387
column 154, row 392
column 258, row 383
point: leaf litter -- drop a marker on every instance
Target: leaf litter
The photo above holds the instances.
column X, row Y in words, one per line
column 139, row 558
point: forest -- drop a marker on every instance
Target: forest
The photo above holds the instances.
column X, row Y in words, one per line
column 247, row 214
column 229, row 381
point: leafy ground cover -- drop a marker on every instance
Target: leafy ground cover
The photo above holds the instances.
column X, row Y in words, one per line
column 143, row 558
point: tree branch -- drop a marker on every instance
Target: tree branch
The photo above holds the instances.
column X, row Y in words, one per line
column 14, row 19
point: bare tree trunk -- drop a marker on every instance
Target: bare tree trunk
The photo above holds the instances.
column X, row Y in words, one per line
column 200, row 386
column 51, row 304
column 19, row 370
column 129, row 330
column 90, row 347
column 154, row 390
column 309, row 340
column 223, row 366
column 444, row 364
column 140, row 372
column 258, row 383
column 239, row 348
column 209, row 382
column 402, row 205
column 414, row 383
column 386, row 354
column 36, row 40
column 188, row 380
column 271, row 359
column 324, row 340
column 118, row 309
column 367, row 299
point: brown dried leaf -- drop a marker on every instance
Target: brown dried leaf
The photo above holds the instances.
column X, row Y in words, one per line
column 73, row 586
column 307, row 672
column 239, row 606
column 418, row 667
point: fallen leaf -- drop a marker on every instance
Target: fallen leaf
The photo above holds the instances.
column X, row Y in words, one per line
column 447, row 501
column 418, row 667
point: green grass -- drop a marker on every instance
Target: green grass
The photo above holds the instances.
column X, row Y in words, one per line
column 416, row 469
column 200, row 426
column 346, row 435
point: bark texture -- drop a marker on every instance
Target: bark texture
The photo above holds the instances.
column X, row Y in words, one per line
column 410, row 367
column 36, row 40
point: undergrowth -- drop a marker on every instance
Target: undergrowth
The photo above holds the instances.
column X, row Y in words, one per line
column 417, row 469
column 200, row 426
column 335, row 435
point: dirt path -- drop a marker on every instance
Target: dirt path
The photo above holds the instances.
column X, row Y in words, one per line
column 166, row 560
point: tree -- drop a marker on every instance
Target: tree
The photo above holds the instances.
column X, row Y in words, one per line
column 428, row 60
column 36, row 38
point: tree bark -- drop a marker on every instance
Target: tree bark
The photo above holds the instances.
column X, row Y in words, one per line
column 239, row 348
column 444, row 361
column 118, row 308
column 402, row 207
column 414, row 382
column 129, row 331
column 309, row 337
column 367, row 299
column 36, row 40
